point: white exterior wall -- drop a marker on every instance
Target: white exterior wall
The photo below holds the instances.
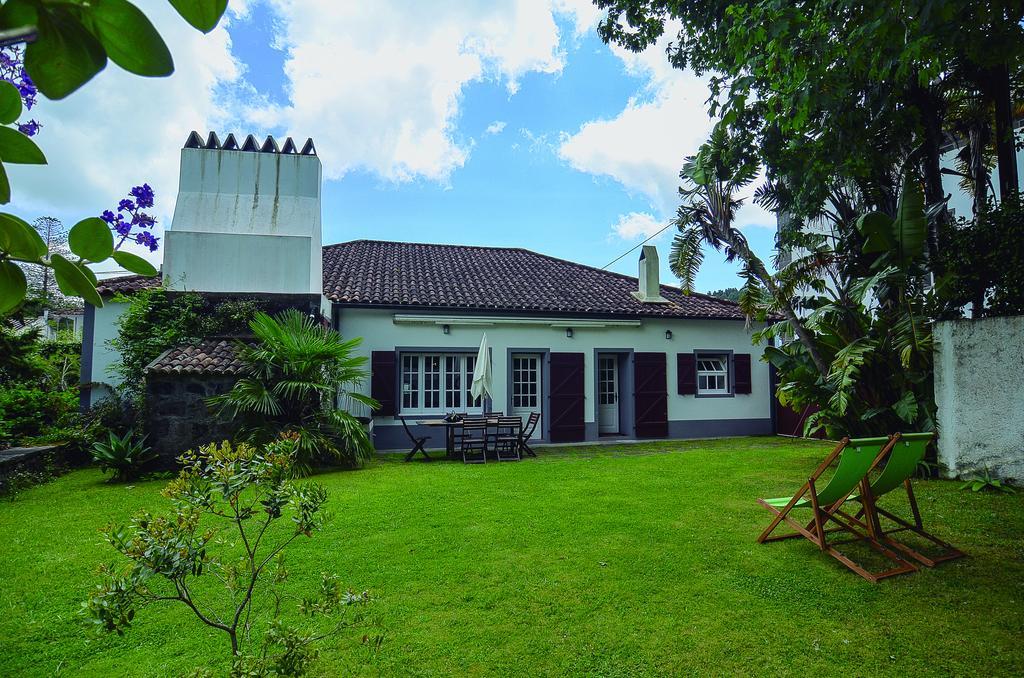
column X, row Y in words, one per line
column 380, row 332
column 979, row 391
column 103, row 356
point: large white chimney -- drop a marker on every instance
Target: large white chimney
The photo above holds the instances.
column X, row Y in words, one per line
column 247, row 218
column 650, row 288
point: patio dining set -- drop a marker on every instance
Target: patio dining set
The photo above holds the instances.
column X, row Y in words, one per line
column 477, row 438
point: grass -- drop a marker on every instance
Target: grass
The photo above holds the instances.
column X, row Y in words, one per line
column 621, row 560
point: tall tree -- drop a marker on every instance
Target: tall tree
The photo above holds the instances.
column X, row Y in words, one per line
column 841, row 91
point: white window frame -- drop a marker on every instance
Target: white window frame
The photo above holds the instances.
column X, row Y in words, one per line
column 415, row 365
column 706, row 369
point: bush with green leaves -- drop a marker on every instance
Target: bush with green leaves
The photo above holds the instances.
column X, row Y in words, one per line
column 125, row 455
column 986, row 481
column 235, row 510
column 293, row 373
column 68, row 44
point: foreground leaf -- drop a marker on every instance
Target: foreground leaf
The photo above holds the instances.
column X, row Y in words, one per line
column 65, row 56
column 134, row 263
column 91, row 239
column 17, row 148
column 19, row 240
column 12, row 286
column 73, row 282
column 10, row 103
column 129, row 38
column 202, row 14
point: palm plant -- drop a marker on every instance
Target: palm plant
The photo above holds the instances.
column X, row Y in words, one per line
column 713, row 178
column 294, row 371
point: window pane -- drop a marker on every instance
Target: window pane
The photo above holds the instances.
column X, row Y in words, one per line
column 453, row 381
column 431, row 381
column 410, row 381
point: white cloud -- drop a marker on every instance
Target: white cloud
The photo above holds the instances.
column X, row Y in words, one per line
column 636, row 225
column 495, row 127
column 379, row 85
column 643, row 147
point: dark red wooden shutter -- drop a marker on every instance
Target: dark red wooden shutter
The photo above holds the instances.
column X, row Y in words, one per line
column 741, row 365
column 650, row 379
column 382, row 381
column 686, row 373
column 565, row 397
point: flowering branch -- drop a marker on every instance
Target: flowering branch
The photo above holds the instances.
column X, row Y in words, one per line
column 130, row 216
column 12, row 69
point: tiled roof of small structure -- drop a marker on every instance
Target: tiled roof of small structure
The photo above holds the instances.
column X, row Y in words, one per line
column 502, row 279
column 250, row 144
column 211, row 356
column 127, row 284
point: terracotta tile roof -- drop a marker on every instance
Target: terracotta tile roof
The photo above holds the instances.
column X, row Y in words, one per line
column 211, row 356
column 497, row 279
column 505, row 279
column 127, row 284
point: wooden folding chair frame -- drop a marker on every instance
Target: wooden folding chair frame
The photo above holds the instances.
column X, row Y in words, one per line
column 816, row 532
column 472, row 445
column 417, row 443
column 869, row 511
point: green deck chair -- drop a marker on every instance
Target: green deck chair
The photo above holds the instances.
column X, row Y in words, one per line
column 898, row 470
column 857, row 458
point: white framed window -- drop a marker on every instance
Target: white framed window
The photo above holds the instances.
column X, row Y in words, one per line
column 437, row 382
column 525, row 382
column 712, row 374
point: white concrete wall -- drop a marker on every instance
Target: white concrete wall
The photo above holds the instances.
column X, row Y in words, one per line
column 381, row 333
column 246, row 222
column 104, row 357
column 979, row 390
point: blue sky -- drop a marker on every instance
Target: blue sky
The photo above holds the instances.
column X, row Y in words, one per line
column 490, row 123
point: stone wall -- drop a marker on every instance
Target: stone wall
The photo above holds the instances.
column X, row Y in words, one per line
column 979, row 390
column 177, row 418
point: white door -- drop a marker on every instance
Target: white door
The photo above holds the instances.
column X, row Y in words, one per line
column 526, row 388
column 607, row 394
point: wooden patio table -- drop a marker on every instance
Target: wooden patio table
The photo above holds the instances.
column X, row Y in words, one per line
column 449, row 431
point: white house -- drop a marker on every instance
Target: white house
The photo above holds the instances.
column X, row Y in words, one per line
column 595, row 353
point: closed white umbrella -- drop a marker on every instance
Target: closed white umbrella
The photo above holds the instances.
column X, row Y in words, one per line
column 481, row 387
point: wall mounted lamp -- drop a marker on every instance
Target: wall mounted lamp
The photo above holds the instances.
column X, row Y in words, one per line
column 446, row 329
column 668, row 334
column 568, row 332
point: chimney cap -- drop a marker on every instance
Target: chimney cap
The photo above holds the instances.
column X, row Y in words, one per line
column 230, row 143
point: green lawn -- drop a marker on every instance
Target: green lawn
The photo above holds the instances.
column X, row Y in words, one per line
column 625, row 560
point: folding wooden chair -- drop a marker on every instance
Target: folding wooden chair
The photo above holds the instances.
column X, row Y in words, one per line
column 898, row 470
column 473, row 442
column 506, row 442
column 417, row 443
column 526, row 432
column 856, row 460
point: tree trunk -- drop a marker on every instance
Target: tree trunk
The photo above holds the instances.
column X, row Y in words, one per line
column 1006, row 152
column 758, row 268
column 932, row 170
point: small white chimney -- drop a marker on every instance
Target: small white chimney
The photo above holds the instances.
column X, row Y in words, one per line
column 247, row 218
column 650, row 287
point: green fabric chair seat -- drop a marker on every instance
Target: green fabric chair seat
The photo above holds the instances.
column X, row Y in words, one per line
column 854, row 462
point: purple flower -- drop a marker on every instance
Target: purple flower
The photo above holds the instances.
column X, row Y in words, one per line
column 125, row 205
column 30, row 128
column 143, row 195
column 108, row 216
column 146, row 238
column 123, row 228
column 143, row 220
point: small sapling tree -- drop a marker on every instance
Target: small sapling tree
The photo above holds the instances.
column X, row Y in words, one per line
column 235, row 511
